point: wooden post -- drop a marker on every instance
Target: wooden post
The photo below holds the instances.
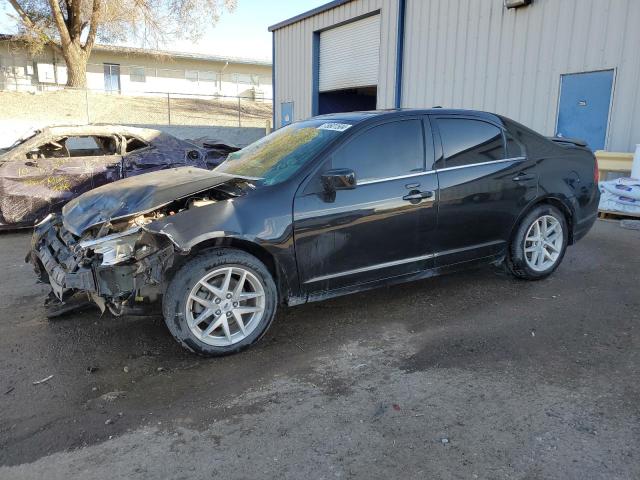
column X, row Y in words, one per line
column 169, row 107
column 86, row 101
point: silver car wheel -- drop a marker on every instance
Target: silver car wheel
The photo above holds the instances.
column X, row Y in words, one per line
column 225, row 306
column 543, row 243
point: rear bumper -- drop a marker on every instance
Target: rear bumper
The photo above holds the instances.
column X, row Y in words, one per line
column 582, row 227
column 586, row 209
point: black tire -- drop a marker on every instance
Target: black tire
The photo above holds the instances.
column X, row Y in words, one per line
column 516, row 262
column 177, row 295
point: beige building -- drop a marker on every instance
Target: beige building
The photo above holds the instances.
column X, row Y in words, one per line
column 131, row 71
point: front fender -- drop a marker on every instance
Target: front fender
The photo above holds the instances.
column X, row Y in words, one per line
column 266, row 233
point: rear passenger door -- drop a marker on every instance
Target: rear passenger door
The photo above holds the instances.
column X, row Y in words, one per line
column 384, row 226
column 483, row 187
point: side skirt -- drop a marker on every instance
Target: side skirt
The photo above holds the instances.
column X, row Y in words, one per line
column 421, row 275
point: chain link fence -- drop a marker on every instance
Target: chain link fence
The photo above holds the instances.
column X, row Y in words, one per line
column 79, row 106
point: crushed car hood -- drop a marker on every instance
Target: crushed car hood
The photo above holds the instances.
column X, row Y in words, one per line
column 136, row 195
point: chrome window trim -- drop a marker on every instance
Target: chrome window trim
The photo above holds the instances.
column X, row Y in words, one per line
column 399, row 177
column 504, row 160
column 428, row 172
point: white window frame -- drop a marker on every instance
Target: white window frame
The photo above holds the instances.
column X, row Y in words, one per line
column 136, row 77
column 190, row 74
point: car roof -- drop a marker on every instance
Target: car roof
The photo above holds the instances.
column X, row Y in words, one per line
column 103, row 129
column 149, row 135
column 356, row 117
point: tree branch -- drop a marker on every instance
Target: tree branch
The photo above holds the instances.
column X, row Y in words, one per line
column 60, row 23
column 93, row 28
column 32, row 27
column 28, row 23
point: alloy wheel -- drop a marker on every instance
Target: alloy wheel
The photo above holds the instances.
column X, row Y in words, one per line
column 543, row 243
column 225, row 306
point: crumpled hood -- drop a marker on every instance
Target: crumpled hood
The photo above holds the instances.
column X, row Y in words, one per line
column 136, row 195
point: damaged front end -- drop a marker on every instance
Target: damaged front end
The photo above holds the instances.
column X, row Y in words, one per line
column 113, row 244
column 121, row 271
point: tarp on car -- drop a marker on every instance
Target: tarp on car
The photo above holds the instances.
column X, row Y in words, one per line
column 32, row 187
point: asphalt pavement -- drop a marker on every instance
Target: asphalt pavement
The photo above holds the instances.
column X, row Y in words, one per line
column 470, row 375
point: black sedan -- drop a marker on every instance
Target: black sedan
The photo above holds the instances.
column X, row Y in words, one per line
column 324, row 207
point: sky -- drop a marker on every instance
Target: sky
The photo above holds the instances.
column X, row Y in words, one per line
column 242, row 33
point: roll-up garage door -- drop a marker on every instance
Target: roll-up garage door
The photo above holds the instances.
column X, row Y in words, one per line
column 350, row 55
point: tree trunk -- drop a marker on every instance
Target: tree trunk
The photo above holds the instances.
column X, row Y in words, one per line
column 76, row 61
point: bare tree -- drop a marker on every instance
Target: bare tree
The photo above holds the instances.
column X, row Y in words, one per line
column 72, row 26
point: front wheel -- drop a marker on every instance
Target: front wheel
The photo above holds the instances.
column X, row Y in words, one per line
column 539, row 244
column 220, row 302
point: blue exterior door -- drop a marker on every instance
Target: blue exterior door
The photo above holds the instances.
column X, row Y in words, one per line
column 286, row 114
column 584, row 107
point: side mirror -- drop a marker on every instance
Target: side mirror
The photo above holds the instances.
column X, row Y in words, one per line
column 339, row 179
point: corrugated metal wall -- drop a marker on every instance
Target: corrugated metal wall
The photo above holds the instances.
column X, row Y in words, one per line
column 294, row 54
column 477, row 54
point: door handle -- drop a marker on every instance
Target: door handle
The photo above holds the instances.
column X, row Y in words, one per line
column 521, row 177
column 416, row 196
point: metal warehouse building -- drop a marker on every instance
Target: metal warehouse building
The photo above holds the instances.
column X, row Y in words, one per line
column 568, row 67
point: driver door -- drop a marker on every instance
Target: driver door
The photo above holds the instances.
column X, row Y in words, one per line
column 377, row 230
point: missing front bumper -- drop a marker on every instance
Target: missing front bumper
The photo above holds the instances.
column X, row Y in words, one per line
column 60, row 262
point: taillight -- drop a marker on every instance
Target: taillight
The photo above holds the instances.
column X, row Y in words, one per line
column 596, row 171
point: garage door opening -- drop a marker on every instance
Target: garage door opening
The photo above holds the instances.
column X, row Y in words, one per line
column 349, row 100
column 348, row 60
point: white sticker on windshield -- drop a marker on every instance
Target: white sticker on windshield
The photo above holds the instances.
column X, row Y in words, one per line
column 336, row 127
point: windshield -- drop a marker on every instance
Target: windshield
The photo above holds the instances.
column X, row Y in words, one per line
column 278, row 156
column 23, row 138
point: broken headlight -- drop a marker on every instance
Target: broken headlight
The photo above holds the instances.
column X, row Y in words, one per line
column 115, row 248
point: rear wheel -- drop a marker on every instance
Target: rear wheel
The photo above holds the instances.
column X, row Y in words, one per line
column 220, row 302
column 539, row 244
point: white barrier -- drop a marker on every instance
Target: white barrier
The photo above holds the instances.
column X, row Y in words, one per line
column 635, row 166
column 620, row 195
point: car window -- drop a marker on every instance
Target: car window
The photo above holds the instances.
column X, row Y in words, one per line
column 134, row 144
column 55, row 149
column 276, row 157
column 534, row 144
column 515, row 149
column 27, row 136
column 90, row 146
column 76, row 146
column 466, row 141
column 388, row 150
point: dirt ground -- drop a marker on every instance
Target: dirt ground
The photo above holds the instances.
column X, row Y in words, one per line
column 473, row 375
column 77, row 106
